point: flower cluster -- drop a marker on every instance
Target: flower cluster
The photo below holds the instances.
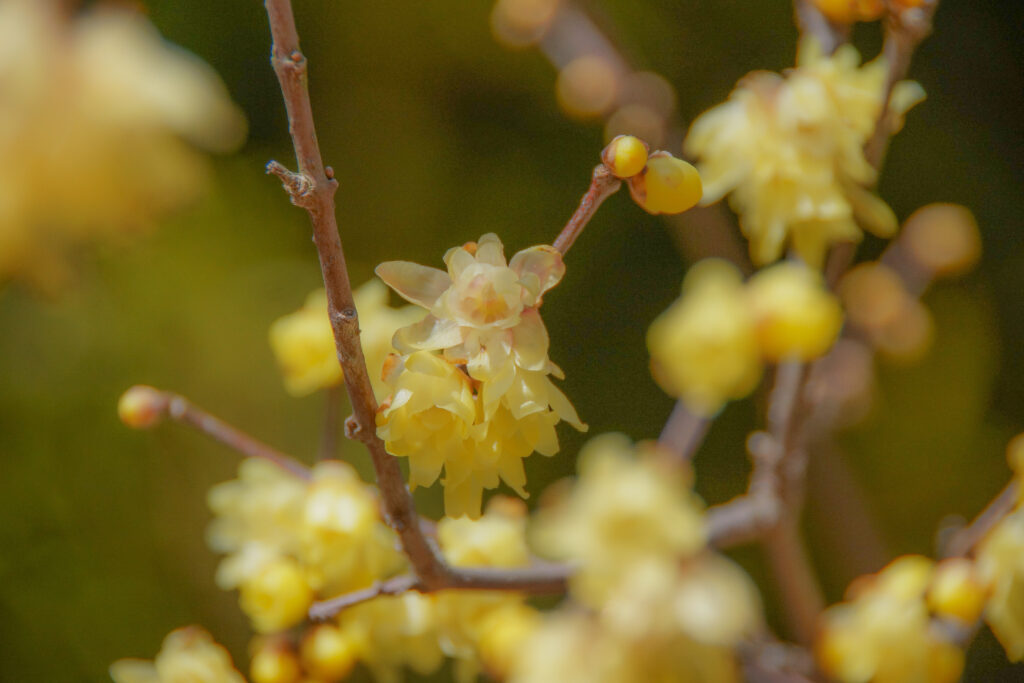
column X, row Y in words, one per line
column 790, row 152
column 890, row 630
column 188, row 655
column 710, row 345
column 659, row 605
column 471, row 391
column 103, row 118
column 303, row 342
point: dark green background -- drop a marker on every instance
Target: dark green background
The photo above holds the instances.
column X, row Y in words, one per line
column 437, row 135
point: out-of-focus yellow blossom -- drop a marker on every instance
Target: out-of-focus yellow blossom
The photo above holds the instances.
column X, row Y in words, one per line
column 522, row 22
column 789, row 152
column 884, row 633
column 704, row 348
column 625, row 506
column 472, row 393
column 303, row 342
column 188, row 655
column 849, row 11
column 956, row 591
column 104, row 119
column 327, row 653
column 878, row 304
column 276, row 597
column 666, row 185
column 795, row 315
column 273, row 661
column 141, row 407
column 943, row 239
column 1000, row 562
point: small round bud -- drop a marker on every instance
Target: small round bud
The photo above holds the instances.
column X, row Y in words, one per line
column 909, row 336
column 625, row 156
column 849, row 11
column 873, row 295
column 956, row 591
column 274, row 662
column 522, row 22
column 667, row 185
column 587, row 86
column 277, row 597
column 141, row 407
column 328, row 653
column 942, row 238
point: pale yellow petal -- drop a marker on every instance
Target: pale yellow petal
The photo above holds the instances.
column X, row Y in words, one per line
column 416, row 284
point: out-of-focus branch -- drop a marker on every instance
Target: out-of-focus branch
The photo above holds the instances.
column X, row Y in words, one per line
column 811, row 22
column 602, row 185
column 684, row 432
column 963, row 541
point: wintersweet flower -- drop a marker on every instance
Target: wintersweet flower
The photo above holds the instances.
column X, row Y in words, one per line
column 188, row 655
column 303, row 342
column 789, row 150
column 1000, row 561
column 704, row 348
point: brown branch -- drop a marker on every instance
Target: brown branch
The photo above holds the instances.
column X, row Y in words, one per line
column 683, row 433
column 963, row 541
column 602, row 185
column 325, row 609
column 811, row 22
column 182, row 410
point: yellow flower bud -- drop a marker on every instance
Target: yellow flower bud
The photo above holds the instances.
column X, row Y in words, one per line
column 874, row 296
column 502, row 635
column 796, row 316
column 667, row 185
column 956, row 590
column 276, row 597
column 587, row 86
column 849, row 11
column 274, row 662
column 625, row 156
column 942, row 238
column 141, row 407
column 328, row 653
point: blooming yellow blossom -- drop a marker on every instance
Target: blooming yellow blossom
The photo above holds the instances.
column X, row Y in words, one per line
column 884, row 633
column 105, row 119
column 472, row 393
column 795, row 315
column 625, row 506
column 188, row 655
column 1000, row 559
column 303, row 342
column 789, row 150
column 704, row 348
column 277, row 596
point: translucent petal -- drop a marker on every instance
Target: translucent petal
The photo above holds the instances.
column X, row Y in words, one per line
column 414, row 283
column 490, row 250
column 530, row 341
column 543, row 261
column 458, row 259
column 429, row 334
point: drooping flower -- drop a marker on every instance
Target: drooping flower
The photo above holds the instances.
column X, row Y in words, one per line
column 188, row 655
column 789, row 150
column 471, row 393
column 304, row 343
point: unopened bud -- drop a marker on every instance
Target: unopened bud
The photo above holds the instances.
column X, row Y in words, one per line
column 849, row 11
column 625, row 156
column 956, row 591
column 274, row 662
column 943, row 238
column 667, row 185
column 141, row 407
column 328, row 653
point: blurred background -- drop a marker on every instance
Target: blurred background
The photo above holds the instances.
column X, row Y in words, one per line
column 438, row 134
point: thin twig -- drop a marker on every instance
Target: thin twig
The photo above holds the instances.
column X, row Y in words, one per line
column 182, row 410
column 325, row 609
column 329, row 435
column 313, row 189
column 602, row 185
column 964, row 540
column 811, row 22
column 684, row 432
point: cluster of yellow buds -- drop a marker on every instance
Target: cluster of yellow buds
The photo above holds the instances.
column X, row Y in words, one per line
column 658, row 182
column 849, row 11
column 104, row 119
column 890, row 629
column 789, row 150
column 303, row 342
column 471, row 391
column 709, row 347
column 188, row 654
column 660, row 606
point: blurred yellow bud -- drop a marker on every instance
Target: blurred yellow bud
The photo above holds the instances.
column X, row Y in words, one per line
column 942, row 238
column 909, row 336
column 522, row 22
column 587, row 86
column 274, row 662
column 502, row 635
column 796, row 317
column 956, row 591
column 276, row 597
column 873, row 295
column 328, row 653
column 625, row 156
column 141, row 407
column 667, row 185
column 849, row 11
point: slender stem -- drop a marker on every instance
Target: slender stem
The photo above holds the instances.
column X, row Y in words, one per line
column 329, row 435
column 964, row 540
column 182, row 410
column 602, row 185
column 325, row 609
column 811, row 21
column 684, row 432
column 802, row 597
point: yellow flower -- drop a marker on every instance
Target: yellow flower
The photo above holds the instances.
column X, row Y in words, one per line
column 884, row 632
column 625, row 506
column 1000, row 559
column 789, row 151
column 625, row 156
column 327, row 652
column 390, row 633
column 273, row 661
column 304, row 343
column 704, row 348
column 796, row 317
column 105, row 119
column 188, row 655
column 276, row 597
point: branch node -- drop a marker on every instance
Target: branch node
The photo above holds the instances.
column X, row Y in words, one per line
column 299, row 186
column 352, row 427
